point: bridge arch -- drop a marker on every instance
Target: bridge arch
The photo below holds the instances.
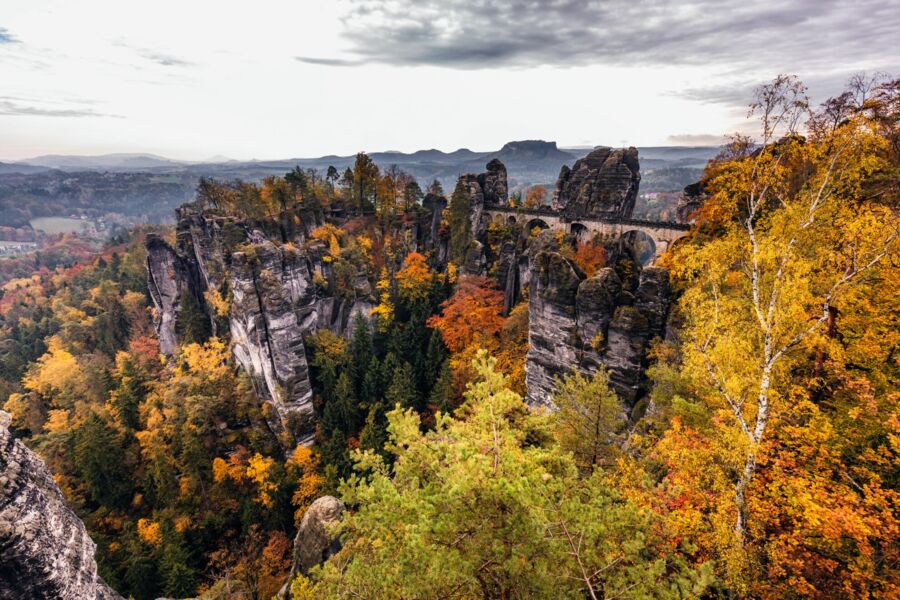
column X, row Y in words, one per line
column 536, row 222
column 645, row 246
column 580, row 231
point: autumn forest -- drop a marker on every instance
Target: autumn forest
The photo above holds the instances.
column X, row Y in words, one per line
column 354, row 384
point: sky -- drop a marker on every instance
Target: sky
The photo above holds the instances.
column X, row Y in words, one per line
column 196, row 79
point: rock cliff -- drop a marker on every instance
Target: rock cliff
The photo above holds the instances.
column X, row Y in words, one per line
column 45, row 552
column 602, row 184
column 578, row 322
column 272, row 284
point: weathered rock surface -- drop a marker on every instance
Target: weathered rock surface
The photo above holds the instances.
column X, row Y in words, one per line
column 579, row 323
column 689, row 202
column 314, row 544
column 273, row 302
column 602, row 184
column 166, row 281
column 45, row 551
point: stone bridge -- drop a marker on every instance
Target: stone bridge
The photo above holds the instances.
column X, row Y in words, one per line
column 662, row 233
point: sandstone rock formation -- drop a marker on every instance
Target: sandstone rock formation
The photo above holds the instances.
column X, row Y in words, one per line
column 314, row 544
column 45, row 551
column 689, row 202
column 579, row 323
column 272, row 298
column 485, row 190
column 602, row 184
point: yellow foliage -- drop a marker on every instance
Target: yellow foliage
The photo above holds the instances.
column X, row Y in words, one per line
column 149, row 532
column 414, row 279
column 310, row 484
column 259, row 470
column 221, row 306
column 385, row 309
column 208, row 361
column 58, row 421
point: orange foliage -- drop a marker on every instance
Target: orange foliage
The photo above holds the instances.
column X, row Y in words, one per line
column 472, row 313
column 590, row 257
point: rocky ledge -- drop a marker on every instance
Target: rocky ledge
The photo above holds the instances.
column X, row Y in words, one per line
column 45, row 551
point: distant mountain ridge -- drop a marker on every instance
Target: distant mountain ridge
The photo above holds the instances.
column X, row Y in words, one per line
column 524, row 157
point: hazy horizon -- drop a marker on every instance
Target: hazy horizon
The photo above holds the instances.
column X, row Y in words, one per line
column 191, row 81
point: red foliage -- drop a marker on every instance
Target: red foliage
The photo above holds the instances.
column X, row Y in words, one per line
column 472, row 312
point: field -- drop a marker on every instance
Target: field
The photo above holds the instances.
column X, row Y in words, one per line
column 59, row 224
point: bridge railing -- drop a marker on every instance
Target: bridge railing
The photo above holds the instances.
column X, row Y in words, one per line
column 549, row 212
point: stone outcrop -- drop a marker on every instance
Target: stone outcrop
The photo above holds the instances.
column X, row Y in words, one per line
column 167, row 279
column 266, row 274
column 484, row 190
column 689, row 202
column 602, row 184
column 45, row 551
column 314, row 543
column 579, row 323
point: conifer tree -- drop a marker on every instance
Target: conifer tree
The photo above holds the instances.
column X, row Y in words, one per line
column 100, row 461
column 192, row 324
column 460, row 225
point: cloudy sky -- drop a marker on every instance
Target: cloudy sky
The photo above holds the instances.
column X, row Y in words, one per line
column 193, row 79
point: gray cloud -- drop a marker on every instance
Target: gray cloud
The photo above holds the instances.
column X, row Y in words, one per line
column 473, row 34
column 329, row 62
column 165, row 60
column 161, row 58
column 9, row 106
column 6, row 37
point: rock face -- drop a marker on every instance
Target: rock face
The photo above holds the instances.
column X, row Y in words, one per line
column 689, row 202
column 579, row 323
column 485, row 190
column 602, row 184
column 45, row 552
column 265, row 273
column 313, row 544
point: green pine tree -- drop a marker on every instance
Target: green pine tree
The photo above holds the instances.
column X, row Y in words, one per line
column 402, row 389
column 192, row 325
column 460, row 225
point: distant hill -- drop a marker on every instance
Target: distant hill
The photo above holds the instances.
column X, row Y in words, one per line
column 20, row 168
column 125, row 162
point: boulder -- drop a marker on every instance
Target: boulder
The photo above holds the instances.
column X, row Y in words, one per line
column 314, row 543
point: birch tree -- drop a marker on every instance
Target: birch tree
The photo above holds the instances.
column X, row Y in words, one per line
column 799, row 235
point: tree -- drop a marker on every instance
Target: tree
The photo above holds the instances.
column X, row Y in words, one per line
column 361, row 352
column 192, row 324
column 486, row 506
column 414, row 279
column 536, row 196
column 99, row 458
column 341, row 410
column 471, row 314
column 364, row 182
column 435, row 188
column 460, row 222
column 412, row 194
column 402, row 388
column 752, row 295
column 589, row 419
column 331, row 176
